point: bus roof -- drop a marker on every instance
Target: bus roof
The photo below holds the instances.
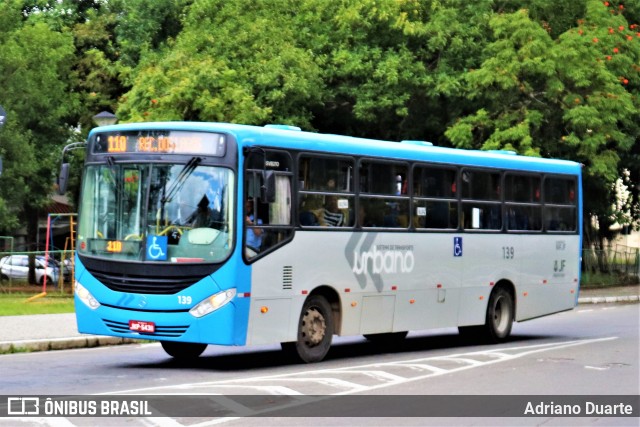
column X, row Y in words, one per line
column 283, row 136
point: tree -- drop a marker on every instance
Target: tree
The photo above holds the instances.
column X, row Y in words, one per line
column 566, row 97
column 34, row 74
column 395, row 67
column 231, row 62
column 145, row 26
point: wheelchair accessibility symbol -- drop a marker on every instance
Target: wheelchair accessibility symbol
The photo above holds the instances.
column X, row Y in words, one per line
column 157, row 248
column 457, row 246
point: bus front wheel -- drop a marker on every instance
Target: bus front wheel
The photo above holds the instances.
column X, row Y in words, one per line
column 315, row 330
column 183, row 350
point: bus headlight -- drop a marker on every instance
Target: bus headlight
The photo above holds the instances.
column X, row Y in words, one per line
column 85, row 296
column 212, row 303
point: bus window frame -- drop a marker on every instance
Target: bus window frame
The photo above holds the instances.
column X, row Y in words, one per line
column 573, row 205
column 452, row 200
column 303, row 192
column 381, row 196
column 512, row 203
column 485, row 202
column 412, row 167
column 291, row 227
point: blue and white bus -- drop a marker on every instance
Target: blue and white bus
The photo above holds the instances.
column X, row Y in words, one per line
column 208, row 233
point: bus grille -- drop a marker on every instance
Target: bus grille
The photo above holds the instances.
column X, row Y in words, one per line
column 161, row 331
column 287, row 277
column 133, row 284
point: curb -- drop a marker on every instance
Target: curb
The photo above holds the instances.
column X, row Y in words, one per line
column 600, row 300
column 24, row 346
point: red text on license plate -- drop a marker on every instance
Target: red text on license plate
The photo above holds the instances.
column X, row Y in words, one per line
column 142, row 326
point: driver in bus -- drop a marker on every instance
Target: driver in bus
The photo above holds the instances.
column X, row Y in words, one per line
column 202, row 216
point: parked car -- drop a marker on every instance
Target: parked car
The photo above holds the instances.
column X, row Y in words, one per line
column 17, row 267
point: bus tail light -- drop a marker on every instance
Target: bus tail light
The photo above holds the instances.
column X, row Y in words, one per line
column 212, row 303
column 85, row 296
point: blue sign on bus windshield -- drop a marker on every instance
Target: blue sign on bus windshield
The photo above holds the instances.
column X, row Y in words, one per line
column 157, row 248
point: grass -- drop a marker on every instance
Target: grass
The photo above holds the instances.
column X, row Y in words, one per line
column 18, row 304
column 600, row 280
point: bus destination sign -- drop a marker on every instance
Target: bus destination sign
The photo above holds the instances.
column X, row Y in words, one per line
column 160, row 142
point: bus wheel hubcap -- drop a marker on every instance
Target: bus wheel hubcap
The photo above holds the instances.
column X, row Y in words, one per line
column 313, row 327
column 500, row 317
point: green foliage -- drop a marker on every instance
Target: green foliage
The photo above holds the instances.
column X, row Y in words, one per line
column 34, row 74
column 145, row 25
column 539, row 77
column 572, row 96
column 230, row 63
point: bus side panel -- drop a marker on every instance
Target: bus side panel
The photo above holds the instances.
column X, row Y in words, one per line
column 271, row 318
column 385, row 282
column 550, row 275
column 488, row 258
column 432, row 298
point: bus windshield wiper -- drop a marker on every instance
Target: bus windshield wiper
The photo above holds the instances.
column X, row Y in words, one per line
column 181, row 179
column 114, row 176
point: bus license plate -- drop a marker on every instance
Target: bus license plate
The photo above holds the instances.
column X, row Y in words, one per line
column 142, row 326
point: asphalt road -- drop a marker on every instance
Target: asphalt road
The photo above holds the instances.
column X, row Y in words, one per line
column 593, row 350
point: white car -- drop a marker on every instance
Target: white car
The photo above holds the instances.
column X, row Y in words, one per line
column 17, row 267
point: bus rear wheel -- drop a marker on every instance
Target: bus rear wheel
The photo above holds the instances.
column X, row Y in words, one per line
column 183, row 350
column 315, row 330
column 500, row 314
column 498, row 320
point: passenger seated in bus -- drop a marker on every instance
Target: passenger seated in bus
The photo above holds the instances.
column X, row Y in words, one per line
column 308, row 219
column 254, row 235
column 331, row 216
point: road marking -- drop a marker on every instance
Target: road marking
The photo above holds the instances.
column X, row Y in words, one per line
column 363, row 378
column 355, row 379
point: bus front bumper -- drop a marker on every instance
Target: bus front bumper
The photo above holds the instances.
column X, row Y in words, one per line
column 215, row 328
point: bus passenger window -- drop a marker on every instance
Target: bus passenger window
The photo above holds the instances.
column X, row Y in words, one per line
column 478, row 216
column 434, row 182
column 524, row 218
column 523, row 209
column 560, row 200
column 325, row 185
column 325, row 174
column 435, row 214
column 560, row 219
column 480, row 185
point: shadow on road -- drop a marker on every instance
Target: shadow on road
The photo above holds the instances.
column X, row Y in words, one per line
column 248, row 358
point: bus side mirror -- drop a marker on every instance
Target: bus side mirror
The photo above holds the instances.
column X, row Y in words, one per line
column 268, row 187
column 63, row 178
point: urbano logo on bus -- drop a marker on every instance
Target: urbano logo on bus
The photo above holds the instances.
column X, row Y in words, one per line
column 384, row 259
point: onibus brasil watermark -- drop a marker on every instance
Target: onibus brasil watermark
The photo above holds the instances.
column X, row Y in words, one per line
column 37, row 406
column 320, row 406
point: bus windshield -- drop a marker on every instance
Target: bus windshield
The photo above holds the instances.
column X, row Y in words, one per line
column 157, row 212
